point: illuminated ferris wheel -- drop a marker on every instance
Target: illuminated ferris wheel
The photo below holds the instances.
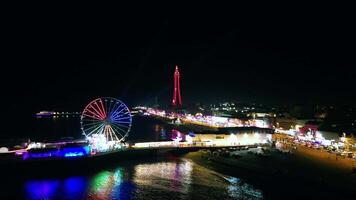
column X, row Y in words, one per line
column 106, row 119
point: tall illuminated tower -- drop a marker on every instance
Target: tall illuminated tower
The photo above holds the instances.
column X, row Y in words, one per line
column 177, row 100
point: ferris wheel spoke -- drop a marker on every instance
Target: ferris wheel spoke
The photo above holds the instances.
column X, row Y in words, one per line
column 91, row 120
column 122, row 118
column 111, row 133
column 117, row 139
column 119, row 131
column 95, row 113
column 113, row 113
column 105, row 132
column 124, row 122
column 119, row 121
column 114, row 134
column 102, row 107
column 117, row 113
column 94, row 116
column 121, row 111
column 93, row 123
column 89, row 129
column 97, row 110
column 122, row 115
column 101, row 131
column 100, row 127
column 87, row 117
column 121, row 125
column 110, row 108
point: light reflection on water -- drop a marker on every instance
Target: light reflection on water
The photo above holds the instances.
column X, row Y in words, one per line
column 177, row 179
column 168, row 177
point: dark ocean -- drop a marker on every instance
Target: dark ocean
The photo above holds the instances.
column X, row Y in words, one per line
column 148, row 178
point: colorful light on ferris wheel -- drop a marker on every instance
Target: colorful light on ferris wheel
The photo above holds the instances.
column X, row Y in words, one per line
column 107, row 117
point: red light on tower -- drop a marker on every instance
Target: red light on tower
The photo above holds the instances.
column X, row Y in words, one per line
column 177, row 100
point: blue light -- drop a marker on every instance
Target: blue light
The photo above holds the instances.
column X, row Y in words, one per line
column 74, row 187
column 74, row 151
column 64, row 152
column 73, row 154
column 25, row 156
column 69, row 188
column 41, row 155
column 41, row 189
column 191, row 134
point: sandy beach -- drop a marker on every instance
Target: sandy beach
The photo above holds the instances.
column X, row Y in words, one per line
column 305, row 174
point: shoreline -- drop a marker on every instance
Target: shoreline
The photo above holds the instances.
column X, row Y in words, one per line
column 283, row 174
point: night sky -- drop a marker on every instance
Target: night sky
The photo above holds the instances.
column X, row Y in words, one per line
column 57, row 60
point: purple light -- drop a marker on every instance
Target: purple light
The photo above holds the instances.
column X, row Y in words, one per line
column 48, row 154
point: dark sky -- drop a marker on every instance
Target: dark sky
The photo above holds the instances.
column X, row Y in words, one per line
column 60, row 60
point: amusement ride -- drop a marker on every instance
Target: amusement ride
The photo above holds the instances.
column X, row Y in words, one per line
column 106, row 123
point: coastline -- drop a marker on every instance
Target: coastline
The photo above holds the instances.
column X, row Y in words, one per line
column 286, row 176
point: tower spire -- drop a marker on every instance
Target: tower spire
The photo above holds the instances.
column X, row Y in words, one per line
column 177, row 100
